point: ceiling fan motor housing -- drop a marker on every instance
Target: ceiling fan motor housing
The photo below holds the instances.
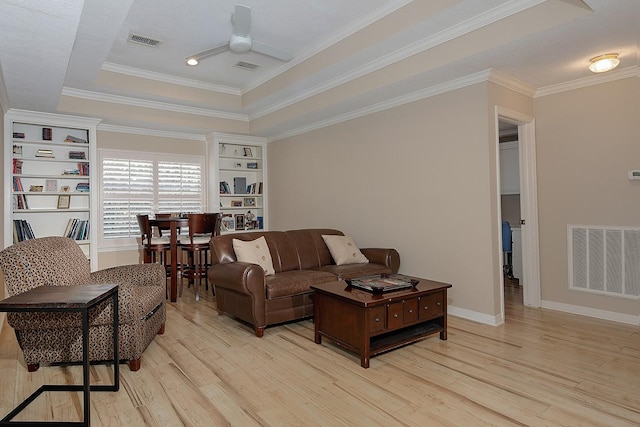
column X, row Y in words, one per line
column 240, row 44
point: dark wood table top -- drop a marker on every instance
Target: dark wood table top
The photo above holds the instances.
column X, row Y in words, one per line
column 342, row 290
column 58, row 297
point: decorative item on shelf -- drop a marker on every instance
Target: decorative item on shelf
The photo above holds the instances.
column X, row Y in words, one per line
column 237, row 165
column 71, row 138
column 45, row 153
column 236, row 203
column 249, row 201
column 18, row 135
column 71, row 172
column 77, row 155
column 260, row 223
column 248, row 221
column 239, row 218
column 247, row 152
column 82, row 187
column 240, row 185
column 36, row 188
column 252, row 165
column 17, row 150
column 235, row 153
column 227, row 223
column 64, row 188
column 47, row 134
column 51, row 185
column 64, row 201
column 223, row 149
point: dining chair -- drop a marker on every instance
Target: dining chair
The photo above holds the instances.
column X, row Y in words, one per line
column 154, row 248
column 195, row 247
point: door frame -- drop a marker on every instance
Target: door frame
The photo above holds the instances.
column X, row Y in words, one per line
column 528, row 205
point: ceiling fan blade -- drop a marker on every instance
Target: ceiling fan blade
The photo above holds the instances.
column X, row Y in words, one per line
column 271, row 51
column 241, row 20
column 210, row 52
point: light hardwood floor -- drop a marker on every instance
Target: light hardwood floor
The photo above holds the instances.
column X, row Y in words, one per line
column 541, row 368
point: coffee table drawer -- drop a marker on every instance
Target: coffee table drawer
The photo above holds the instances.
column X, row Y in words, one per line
column 377, row 318
column 431, row 305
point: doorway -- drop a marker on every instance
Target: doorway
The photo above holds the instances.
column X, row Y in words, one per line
column 529, row 245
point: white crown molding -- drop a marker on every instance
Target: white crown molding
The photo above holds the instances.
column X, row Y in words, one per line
column 52, row 118
column 165, row 78
column 629, row 319
column 462, row 82
column 150, row 132
column 449, row 34
column 511, row 83
column 365, row 21
column 593, row 80
column 156, row 105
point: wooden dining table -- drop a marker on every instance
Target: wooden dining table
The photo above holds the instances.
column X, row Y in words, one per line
column 174, row 224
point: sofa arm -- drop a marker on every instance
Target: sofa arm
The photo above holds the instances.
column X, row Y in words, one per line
column 387, row 257
column 241, row 277
column 135, row 274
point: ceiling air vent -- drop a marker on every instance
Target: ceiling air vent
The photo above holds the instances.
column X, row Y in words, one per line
column 247, row 66
column 147, row 41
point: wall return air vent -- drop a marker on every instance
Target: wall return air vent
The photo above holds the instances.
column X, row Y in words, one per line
column 146, row 41
column 604, row 260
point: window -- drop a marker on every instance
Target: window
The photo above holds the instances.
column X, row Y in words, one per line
column 144, row 183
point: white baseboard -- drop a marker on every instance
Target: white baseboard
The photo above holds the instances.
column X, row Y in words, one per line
column 613, row 316
column 475, row 316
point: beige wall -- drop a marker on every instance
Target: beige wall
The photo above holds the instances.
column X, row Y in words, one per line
column 145, row 143
column 417, row 178
column 587, row 140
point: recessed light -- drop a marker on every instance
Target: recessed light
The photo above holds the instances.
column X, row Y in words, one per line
column 603, row 63
column 192, row 61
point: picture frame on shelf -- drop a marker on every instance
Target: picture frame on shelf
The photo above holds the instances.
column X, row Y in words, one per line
column 51, row 185
column 36, row 188
column 250, row 201
column 247, row 152
column 239, row 219
column 64, row 201
column 17, row 150
column 227, row 223
column 236, row 203
column 252, row 165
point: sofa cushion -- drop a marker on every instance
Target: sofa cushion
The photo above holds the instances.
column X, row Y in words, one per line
column 344, row 250
column 254, row 252
column 294, row 282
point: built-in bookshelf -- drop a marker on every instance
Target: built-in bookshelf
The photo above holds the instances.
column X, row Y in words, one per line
column 238, row 186
column 48, row 167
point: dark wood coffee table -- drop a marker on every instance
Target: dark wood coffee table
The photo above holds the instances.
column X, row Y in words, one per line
column 369, row 324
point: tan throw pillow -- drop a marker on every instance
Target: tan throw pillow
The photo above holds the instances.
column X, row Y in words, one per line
column 254, row 252
column 344, row 250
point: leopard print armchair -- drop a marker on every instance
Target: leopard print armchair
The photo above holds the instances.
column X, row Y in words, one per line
column 57, row 337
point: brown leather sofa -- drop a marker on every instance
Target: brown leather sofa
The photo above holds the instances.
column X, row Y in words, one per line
column 300, row 259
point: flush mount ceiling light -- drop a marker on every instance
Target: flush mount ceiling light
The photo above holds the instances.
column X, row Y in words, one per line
column 192, row 61
column 603, row 63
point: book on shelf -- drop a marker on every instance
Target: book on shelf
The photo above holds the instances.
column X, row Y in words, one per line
column 224, row 187
column 22, row 231
column 45, row 153
column 83, row 169
column 19, row 202
column 77, row 229
column 17, row 166
column 71, row 138
column 17, row 184
column 77, row 155
column 71, row 172
column 19, row 135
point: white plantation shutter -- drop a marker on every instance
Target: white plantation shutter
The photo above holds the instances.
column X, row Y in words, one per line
column 145, row 183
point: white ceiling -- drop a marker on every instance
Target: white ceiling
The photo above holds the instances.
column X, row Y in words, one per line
column 350, row 57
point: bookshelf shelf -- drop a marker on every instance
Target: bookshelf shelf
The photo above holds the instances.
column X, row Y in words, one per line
column 44, row 177
column 239, row 185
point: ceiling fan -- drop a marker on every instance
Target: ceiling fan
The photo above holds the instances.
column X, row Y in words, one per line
column 241, row 41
